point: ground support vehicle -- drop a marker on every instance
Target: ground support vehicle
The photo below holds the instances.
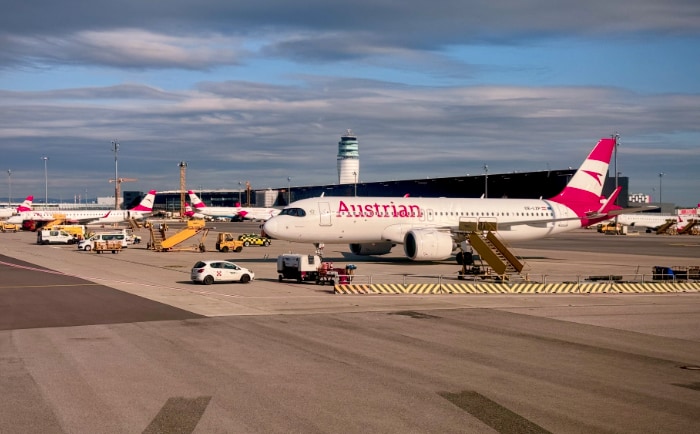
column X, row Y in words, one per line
column 54, row 237
column 294, row 266
column 78, row 231
column 103, row 237
column 108, row 246
column 225, row 242
column 162, row 243
column 254, row 240
column 9, row 227
column 327, row 273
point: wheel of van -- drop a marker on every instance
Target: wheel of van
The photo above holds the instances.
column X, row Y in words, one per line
column 279, row 278
column 88, row 248
column 246, row 243
column 245, row 278
column 208, row 280
column 45, row 242
column 224, row 249
column 239, row 249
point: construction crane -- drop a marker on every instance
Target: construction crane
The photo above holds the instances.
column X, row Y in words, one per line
column 183, row 171
column 118, row 189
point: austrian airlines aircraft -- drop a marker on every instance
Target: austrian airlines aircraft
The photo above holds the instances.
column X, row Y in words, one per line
column 428, row 227
column 189, row 212
column 93, row 216
column 24, row 206
column 651, row 221
column 247, row 213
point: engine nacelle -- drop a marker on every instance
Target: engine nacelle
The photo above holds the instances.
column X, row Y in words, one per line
column 371, row 248
column 427, row 245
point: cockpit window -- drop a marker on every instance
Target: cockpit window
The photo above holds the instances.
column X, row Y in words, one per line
column 296, row 212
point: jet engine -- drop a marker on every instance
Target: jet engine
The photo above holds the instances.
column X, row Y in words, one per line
column 427, row 245
column 371, row 248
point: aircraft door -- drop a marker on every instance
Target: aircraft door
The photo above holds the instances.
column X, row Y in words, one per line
column 324, row 211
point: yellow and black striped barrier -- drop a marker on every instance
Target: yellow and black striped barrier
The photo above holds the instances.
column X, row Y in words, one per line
column 519, row 288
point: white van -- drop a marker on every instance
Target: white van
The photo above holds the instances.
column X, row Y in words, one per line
column 89, row 244
column 52, row 236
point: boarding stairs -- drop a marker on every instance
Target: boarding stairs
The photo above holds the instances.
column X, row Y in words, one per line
column 666, row 227
column 168, row 244
column 157, row 237
column 492, row 250
column 691, row 227
column 58, row 219
column 134, row 224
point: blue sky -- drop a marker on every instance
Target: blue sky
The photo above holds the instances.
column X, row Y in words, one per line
column 260, row 92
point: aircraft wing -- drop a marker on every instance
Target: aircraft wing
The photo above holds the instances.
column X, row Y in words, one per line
column 613, row 213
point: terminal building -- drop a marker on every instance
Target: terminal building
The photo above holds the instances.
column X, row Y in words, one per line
column 522, row 185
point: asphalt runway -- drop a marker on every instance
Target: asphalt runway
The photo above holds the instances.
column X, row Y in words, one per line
column 125, row 344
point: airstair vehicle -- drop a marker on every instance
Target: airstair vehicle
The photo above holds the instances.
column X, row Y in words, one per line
column 160, row 242
column 691, row 227
column 489, row 249
column 669, row 226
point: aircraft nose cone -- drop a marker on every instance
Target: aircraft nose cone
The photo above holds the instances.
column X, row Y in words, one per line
column 270, row 228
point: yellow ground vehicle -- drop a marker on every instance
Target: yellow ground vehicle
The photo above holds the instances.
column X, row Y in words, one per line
column 225, row 242
column 9, row 227
column 612, row 229
column 254, row 240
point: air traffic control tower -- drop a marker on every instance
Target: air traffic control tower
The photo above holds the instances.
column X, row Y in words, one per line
column 348, row 159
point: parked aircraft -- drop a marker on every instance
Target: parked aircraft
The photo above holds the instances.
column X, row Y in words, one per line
column 247, row 213
column 190, row 213
column 650, row 221
column 429, row 228
column 93, row 216
column 24, row 206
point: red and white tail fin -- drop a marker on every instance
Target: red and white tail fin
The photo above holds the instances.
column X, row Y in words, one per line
column 146, row 204
column 196, row 201
column 189, row 212
column 583, row 193
column 26, row 205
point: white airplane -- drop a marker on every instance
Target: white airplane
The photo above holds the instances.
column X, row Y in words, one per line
column 427, row 227
column 24, row 206
column 189, row 212
column 649, row 221
column 247, row 213
column 93, row 216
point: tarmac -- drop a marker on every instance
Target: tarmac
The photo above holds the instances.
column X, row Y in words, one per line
column 126, row 343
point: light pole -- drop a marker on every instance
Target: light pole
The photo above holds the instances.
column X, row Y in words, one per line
column 486, row 181
column 240, row 187
column 115, row 149
column 661, row 175
column 355, row 173
column 289, row 190
column 9, row 187
column 46, row 181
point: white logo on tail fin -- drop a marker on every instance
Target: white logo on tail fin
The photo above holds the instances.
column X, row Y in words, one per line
column 146, row 204
column 196, row 201
column 26, row 205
